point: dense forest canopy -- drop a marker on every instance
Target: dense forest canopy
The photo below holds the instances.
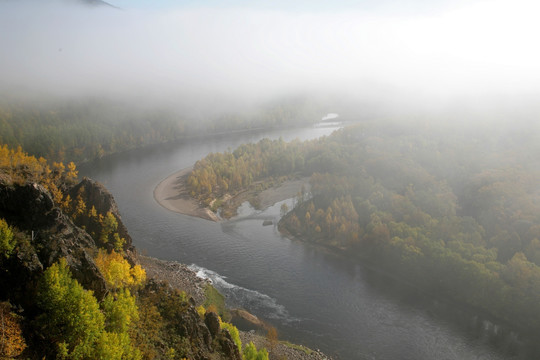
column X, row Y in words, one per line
column 455, row 209
column 80, row 129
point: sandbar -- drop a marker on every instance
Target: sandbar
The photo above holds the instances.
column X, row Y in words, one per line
column 173, row 195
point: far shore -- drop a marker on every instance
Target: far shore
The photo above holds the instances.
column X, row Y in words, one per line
column 173, row 195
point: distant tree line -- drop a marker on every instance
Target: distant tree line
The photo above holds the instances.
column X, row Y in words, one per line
column 80, row 130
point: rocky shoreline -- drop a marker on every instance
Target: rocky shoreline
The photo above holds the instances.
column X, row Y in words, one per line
column 177, row 275
column 181, row 277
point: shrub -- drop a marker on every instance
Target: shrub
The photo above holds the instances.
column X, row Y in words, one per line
column 251, row 353
column 71, row 316
column 12, row 341
column 117, row 271
column 7, row 241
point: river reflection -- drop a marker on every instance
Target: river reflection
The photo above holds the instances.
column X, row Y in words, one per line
column 311, row 295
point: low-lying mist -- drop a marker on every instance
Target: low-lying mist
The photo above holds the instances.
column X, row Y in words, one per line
column 476, row 57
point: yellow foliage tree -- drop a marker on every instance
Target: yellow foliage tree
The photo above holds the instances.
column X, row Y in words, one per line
column 20, row 168
column 117, row 271
column 72, row 172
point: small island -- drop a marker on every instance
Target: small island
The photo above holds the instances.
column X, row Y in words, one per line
column 172, row 194
column 263, row 174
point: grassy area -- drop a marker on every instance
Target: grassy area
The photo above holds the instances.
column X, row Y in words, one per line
column 302, row 348
column 214, row 299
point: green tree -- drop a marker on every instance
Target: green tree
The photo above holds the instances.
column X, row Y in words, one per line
column 120, row 311
column 251, row 353
column 7, row 241
column 71, row 317
column 115, row 346
column 108, row 226
column 73, row 322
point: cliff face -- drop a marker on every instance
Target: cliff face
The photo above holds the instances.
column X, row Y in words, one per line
column 181, row 325
column 46, row 235
column 49, row 235
column 96, row 195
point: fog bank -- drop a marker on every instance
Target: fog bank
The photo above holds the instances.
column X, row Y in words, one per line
column 471, row 51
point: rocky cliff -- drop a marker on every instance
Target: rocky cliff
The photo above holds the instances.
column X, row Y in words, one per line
column 96, row 195
column 45, row 234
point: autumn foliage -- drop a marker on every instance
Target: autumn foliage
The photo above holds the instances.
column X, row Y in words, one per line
column 12, row 342
column 230, row 172
column 78, row 326
column 17, row 167
column 116, row 270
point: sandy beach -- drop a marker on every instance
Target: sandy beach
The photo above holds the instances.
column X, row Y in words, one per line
column 287, row 190
column 173, row 195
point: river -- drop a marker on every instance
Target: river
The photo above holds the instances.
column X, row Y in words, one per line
column 310, row 295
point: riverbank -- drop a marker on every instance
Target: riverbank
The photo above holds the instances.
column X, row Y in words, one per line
column 180, row 277
column 503, row 334
column 172, row 194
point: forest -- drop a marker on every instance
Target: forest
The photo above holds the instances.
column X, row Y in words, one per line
column 85, row 129
column 453, row 209
column 95, row 301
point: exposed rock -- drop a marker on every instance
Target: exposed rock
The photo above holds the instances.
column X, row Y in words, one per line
column 240, row 315
column 96, row 195
column 51, row 236
column 282, row 350
column 179, row 276
column 207, row 340
column 211, row 320
column 228, row 346
column 28, row 205
column 194, row 328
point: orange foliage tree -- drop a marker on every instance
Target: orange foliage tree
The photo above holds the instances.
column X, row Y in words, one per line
column 12, row 341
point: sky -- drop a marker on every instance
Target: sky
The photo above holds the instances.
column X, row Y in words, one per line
column 418, row 51
column 287, row 5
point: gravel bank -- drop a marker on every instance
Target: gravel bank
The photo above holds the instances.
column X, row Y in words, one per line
column 182, row 278
column 178, row 275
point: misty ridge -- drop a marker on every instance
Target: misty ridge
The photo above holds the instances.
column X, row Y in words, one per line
column 456, row 61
